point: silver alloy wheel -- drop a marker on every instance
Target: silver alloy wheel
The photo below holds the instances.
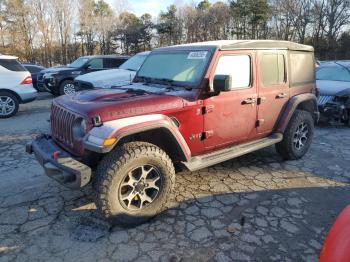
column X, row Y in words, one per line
column 140, row 187
column 301, row 136
column 69, row 89
column 7, row 105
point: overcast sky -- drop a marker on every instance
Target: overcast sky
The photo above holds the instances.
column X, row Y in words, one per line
column 152, row 7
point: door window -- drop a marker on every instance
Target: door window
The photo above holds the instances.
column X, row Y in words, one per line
column 272, row 69
column 238, row 67
column 96, row 63
column 113, row 62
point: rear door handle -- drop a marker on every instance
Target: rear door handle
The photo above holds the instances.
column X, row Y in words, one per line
column 249, row 101
column 281, row 95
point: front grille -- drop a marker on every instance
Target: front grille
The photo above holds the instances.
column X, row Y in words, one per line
column 322, row 100
column 62, row 122
column 40, row 77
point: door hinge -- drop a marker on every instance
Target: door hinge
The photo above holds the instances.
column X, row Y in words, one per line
column 207, row 109
column 260, row 122
column 207, row 134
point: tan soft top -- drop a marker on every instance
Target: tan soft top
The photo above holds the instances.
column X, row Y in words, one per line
column 252, row 44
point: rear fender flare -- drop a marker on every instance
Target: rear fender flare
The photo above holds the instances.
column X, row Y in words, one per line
column 292, row 105
column 124, row 127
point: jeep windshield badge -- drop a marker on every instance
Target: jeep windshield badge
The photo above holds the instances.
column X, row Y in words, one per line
column 96, row 121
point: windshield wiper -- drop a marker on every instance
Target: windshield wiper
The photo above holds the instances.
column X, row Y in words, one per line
column 130, row 69
column 145, row 80
column 171, row 84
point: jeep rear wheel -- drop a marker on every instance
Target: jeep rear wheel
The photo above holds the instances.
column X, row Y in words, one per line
column 134, row 183
column 297, row 137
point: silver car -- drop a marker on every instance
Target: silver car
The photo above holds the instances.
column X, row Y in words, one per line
column 333, row 83
column 15, row 86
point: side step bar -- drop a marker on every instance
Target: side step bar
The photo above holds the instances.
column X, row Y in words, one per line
column 199, row 162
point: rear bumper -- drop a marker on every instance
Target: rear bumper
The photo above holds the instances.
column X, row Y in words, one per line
column 27, row 93
column 63, row 168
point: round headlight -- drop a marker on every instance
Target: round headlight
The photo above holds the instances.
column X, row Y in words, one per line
column 79, row 128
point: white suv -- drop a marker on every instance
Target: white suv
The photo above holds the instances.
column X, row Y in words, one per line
column 15, row 86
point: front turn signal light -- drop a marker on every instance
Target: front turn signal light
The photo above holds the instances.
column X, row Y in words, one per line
column 109, row 142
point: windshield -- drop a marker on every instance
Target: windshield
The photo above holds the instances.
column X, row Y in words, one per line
column 79, row 62
column 134, row 63
column 333, row 74
column 185, row 67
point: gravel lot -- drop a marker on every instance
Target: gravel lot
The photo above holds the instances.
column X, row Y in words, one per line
column 255, row 208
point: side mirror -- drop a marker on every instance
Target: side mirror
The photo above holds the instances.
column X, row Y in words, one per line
column 87, row 67
column 222, row 83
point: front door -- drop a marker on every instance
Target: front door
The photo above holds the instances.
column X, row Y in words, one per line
column 230, row 117
column 273, row 89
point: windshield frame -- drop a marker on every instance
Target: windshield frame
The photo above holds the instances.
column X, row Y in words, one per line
column 194, row 85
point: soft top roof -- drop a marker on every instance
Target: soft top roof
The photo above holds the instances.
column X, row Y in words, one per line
column 245, row 44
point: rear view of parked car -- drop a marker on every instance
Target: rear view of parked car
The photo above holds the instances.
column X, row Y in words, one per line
column 333, row 82
column 15, row 86
column 60, row 80
column 113, row 77
column 34, row 70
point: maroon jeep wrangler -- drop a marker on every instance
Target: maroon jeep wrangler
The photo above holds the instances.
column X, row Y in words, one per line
column 191, row 105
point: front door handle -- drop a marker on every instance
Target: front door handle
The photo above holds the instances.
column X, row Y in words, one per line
column 249, row 101
column 281, row 95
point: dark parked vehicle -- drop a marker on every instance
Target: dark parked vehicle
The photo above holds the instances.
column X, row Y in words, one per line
column 333, row 82
column 34, row 71
column 193, row 105
column 60, row 80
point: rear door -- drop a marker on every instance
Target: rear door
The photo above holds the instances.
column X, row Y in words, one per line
column 273, row 89
column 230, row 117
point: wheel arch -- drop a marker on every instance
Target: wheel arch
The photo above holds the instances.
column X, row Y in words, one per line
column 12, row 93
column 159, row 136
column 306, row 102
column 156, row 129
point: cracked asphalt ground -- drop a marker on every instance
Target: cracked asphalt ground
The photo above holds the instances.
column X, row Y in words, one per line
column 255, row 208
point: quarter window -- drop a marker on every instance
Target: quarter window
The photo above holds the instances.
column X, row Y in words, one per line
column 12, row 65
column 238, row 67
column 273, row 69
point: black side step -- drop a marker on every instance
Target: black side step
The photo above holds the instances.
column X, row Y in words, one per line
column 199, row 162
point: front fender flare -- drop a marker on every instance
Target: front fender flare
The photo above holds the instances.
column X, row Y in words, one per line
column 121, row 128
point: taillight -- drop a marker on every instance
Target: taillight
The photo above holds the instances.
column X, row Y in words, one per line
column 28, row 80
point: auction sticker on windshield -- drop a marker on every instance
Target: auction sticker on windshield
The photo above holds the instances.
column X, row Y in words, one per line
column 197, row 55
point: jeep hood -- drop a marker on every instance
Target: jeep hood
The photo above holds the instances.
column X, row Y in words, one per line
column 111, row 104
column 108, row 78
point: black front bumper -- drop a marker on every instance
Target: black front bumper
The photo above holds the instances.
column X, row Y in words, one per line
column 58, row 164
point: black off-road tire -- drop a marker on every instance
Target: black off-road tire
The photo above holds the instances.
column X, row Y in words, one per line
column 15, row 101
column 112, row 171
column 286, row 147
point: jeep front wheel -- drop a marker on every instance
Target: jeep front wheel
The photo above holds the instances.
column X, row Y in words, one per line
column 297, row 137
column 134, row 183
